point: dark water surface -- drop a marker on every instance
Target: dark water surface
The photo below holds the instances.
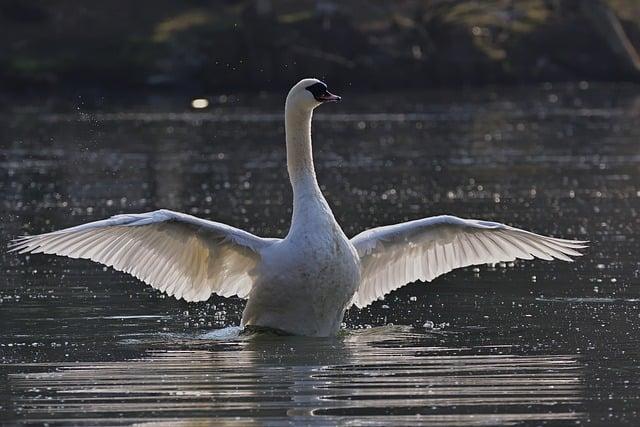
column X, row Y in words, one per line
column 526, row 343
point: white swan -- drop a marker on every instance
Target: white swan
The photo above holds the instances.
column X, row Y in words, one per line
column 301, row 284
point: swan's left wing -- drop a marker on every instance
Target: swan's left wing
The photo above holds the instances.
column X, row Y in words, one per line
column 424, row 249
column 184, row 256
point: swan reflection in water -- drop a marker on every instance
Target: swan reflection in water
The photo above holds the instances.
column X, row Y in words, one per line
column 384, row 375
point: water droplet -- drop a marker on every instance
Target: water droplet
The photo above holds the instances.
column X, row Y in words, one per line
column 428, row 324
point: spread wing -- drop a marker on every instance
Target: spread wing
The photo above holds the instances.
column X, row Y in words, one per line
column 424, row 249
column 182, row 255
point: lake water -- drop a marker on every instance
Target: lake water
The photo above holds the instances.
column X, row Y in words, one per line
column 528, row 343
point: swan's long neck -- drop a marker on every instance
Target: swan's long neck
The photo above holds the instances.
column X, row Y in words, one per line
column 300, row 161
column 299, row 153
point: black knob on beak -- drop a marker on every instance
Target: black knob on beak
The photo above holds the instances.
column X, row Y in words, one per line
column 321, row 94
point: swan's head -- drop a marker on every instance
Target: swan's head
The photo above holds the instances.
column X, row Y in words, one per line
column 307, row 94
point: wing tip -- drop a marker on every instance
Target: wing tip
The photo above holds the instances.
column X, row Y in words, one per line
column 22, row 244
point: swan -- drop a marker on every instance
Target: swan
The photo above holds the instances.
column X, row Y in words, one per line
column 301, row 284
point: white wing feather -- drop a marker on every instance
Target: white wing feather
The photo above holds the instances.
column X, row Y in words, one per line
column 424, row 249
column 182, row 255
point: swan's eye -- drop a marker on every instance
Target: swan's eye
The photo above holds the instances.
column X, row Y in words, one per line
column 317, row 90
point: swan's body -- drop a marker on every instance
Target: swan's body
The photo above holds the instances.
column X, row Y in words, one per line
column 306, row 281
column 301, row 284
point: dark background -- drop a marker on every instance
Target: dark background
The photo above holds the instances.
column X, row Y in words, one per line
column 226, row 46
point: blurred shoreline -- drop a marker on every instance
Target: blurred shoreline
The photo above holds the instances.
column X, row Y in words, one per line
column 221, row 47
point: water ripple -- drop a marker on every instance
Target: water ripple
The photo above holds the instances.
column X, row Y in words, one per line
column 357, row 378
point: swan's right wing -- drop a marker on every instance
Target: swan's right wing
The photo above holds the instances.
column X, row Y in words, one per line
column 424, row 249
column 182, row 255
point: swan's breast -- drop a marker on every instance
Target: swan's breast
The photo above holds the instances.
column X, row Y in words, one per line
column 313, row 257
column 305, row 281
column 304, row 286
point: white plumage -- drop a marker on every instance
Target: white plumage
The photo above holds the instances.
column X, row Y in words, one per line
column 301, row 284
column 184, row 256
column 424, row 249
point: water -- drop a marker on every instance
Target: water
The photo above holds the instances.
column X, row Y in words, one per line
column 513, row 344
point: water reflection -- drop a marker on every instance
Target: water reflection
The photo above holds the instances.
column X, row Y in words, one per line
column 392, row 372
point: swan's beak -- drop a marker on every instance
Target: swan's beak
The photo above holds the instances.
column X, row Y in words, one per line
column 328, row 97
